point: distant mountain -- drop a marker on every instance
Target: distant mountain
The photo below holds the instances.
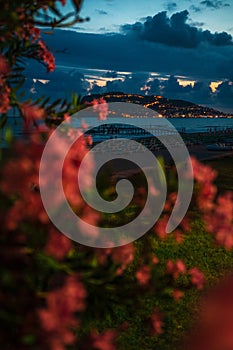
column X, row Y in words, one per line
column 166, row 107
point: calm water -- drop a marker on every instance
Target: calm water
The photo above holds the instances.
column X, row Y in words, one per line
column 188, row 125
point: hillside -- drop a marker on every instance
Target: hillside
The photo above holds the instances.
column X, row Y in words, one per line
column 164, row 106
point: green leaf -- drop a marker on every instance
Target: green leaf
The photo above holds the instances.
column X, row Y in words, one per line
column 45, row 102
column 29, row 339
column 8, row 135
column 3, row 121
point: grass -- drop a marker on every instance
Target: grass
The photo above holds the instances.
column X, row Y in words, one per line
column 224, row 167
column 198, row 249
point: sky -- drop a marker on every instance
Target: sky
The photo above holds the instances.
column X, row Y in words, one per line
column 109, row 15
column 177, row 49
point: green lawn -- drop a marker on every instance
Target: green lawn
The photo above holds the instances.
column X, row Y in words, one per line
column 224, row 166
column 109, row 307
column 198, row 249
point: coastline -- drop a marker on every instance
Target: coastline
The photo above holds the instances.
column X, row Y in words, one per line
column 199, row 152
column 195, row 142
column 196, row 145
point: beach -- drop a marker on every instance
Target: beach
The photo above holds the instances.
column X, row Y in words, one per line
column 196, row 145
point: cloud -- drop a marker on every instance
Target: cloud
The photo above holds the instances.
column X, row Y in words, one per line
column 96, row 89
column 155, row 86
column 199, row 92
column 198, row 24
column 116, row 53
column 195, row 8
column 171, row 6
column 224, row 93
column 62, row 82
column 101, row 12
column 210, row 4
column 131, row 84
column 214, row 4
column 175, row 31
column 111, row 74
column 103, row 29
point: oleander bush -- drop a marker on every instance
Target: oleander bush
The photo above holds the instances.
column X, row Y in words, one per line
column 57, row 294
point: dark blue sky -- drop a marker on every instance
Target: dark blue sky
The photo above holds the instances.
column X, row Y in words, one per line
column 177, row 49
column 109, row 15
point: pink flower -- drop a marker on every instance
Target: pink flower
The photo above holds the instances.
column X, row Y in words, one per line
column 59, row 316
column 160, row 227
column 31, row 115
column 90, row 217
column 206, row 196
column 84, row 124
column 101, row 107
column 46, row 56
column 177, row 294
column 175, row 269
column 143, row 275
column 67, row 117
column 20, row 178
column 185, row 224
column 103, row 254
column 217, row 212
column 224, row 236
column 70, row 174
column 104, row 341
column 197, row 277
column 219, row 219
column 156, row 323
column 178, row 236
column 202, row 173
column 58, row 245
column 4, row 66
column 124, row 254
column 154, row 260
column 30, row 32
column 4, row 98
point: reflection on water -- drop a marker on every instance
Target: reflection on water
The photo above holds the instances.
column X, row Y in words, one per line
column 187, row 125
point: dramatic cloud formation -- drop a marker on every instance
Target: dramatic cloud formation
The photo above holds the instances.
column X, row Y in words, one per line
column 195, row 8
column 60, row 83
column 214, row 4
column 210, row 4
column 171, row 6
column 198, row 24
column 139, row 83
column 132, row 83
column 175, row 31
column 118, row 52
column 124, row 53
column 199, row 92
column 111, row 74
column 225, row 93
column 171, row 47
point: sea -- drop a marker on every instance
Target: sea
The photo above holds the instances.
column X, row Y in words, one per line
column 184, row 125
